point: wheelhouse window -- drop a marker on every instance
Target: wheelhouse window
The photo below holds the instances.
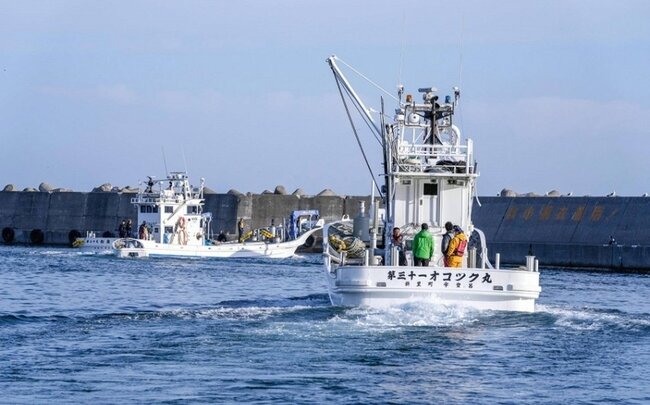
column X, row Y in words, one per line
column 430, row 189
column 169, row 209
column 146, row 208
column 192, row 209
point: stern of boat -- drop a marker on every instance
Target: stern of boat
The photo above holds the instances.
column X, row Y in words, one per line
column 353, row 279
column 129, row 248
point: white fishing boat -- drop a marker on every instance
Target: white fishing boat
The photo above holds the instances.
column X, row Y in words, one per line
column 171, row 222
column 429, row 178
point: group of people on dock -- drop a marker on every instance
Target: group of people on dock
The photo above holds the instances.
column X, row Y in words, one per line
column 454, row 244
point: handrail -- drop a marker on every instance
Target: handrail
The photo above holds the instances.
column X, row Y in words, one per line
column 411, row 149
column 415, row 157
column 332, row 257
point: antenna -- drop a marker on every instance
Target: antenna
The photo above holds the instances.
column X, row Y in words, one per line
column 401, row 53
column 164, row 160
column 184, row 161
column 460, row 68
column 460, row 50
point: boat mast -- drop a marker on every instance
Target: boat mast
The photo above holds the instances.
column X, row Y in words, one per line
column 383, row 135
column 355, row 97
column 388, row 193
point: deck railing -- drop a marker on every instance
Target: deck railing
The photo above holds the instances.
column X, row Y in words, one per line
column 423, row 157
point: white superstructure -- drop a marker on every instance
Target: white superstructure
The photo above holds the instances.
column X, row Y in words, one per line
column 429, row 177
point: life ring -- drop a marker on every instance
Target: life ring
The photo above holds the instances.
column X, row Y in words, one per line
column 8, row 235
column 37, row 236
column 73, row 235
column 181, row 231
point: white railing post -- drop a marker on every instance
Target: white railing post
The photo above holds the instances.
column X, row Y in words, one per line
column 484, row 257
column 530, row 263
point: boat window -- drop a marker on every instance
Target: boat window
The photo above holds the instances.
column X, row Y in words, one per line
column 169, row 229
column 430, row 189
column 149, row 208
column 143, row 208
column 155, row 209
column 192, row 209
column 169, row 209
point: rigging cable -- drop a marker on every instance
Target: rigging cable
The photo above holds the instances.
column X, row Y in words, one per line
column 162, row 148
column 474, row 189
column 368, row 80
column 356, row 135
column 364, row 118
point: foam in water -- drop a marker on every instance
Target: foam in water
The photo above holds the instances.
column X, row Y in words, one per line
column 589, row 319
column 412, row 314
column 247, row 313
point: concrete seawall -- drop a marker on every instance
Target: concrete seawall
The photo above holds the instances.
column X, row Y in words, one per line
column 568, row 231
column 57, row 218
column 560, row 231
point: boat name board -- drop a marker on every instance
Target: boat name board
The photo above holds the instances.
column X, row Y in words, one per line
column 446, row 278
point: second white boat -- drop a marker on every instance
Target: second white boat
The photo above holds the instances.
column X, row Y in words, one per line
column 171, row 222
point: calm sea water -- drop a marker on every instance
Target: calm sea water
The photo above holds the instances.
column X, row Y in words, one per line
column 88, row 329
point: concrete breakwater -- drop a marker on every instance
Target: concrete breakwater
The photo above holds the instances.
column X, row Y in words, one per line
column 61, row 217
column 598, row 232
column 560, row 231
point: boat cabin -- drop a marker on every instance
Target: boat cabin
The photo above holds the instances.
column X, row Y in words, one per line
column 172, row 211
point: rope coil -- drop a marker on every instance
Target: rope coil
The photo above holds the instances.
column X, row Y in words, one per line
column 342, row 240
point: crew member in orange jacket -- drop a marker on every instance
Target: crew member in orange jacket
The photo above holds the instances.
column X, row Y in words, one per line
column 457, row 247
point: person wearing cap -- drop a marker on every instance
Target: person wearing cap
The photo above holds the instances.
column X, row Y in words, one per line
column 221, row 237
column 143, row 231
column 122, row 229
column 422, row 247
column 240, row 228
column 446, row 238
column 397, row 240
column 457, row 247
column 129, row 228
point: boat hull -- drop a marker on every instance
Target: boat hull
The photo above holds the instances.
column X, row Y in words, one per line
column 95, row 245
column 384, row 286
column 133, row 248
column 235, row 250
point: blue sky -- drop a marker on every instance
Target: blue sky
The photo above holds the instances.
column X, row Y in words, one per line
column 555, row 94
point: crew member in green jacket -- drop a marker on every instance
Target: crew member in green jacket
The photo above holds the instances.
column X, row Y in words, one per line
column 422, row 247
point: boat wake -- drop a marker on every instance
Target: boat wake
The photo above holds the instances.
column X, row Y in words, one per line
column 595, row 319
column 412, row 314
